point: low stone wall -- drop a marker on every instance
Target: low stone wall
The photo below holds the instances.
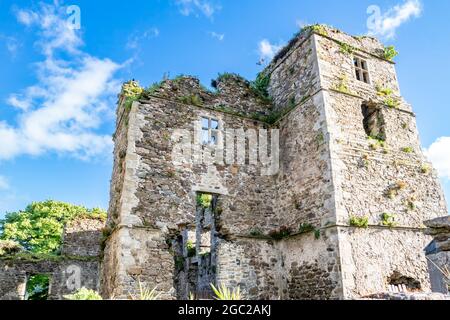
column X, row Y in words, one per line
column 438, row 254
column 82, row 238
column 66, row 276
column 408, row 296
column 77, row 266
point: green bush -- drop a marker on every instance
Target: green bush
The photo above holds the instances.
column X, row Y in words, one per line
column 131, row 89
column 388, row 220
column 84, row 294
column 392, row 102
column 359, row 221
column 384, row 92
column 39, row 228
column 390, row 53
column 408, row 150
column 316, row 28
column 261, row 87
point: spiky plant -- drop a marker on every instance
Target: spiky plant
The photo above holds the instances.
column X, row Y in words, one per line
column 224, row 293
column 145, row 293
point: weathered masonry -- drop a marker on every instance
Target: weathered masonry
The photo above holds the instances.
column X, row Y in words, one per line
column 77, row 266
column 342, row 216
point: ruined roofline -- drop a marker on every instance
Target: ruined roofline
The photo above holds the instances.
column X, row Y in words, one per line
column 351, row 42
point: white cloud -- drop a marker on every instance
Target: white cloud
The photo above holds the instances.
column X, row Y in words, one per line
column 136, row 38
column 27, row 17
column 4, row 185
column 386, row 24
column 188, row 7
column 301, row 24
column 11, row 44
column 218, row 36
column 71, row 100
column 439, row 155
column 268, row 50
column 18, row 102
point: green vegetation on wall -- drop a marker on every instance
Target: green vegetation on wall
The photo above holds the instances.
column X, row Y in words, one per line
column 261, row 87
column 359, row 221
column 390, row 53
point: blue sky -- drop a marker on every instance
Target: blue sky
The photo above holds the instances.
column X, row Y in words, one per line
column 59, row 85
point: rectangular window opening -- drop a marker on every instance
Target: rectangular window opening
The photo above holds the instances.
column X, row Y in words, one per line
column 37, row 287
column 361, row 69
column 210, row 131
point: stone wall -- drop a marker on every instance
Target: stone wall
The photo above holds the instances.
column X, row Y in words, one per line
column 76, row 267
column 159, row 197
column 438, row 254
column 329, row 171
column 66, row 275
column 294, row 76
column 82, row 238
column 372, row 178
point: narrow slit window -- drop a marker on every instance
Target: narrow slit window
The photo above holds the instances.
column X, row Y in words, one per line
column 210, row 131
column 361, row 70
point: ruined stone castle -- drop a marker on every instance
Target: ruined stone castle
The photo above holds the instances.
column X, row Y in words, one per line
column 341, row 217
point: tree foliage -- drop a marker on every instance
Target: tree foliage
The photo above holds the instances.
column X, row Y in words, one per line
column 37, row 287
column 40, row 226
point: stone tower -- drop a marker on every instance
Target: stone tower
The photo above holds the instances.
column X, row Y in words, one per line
column 340, row 217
